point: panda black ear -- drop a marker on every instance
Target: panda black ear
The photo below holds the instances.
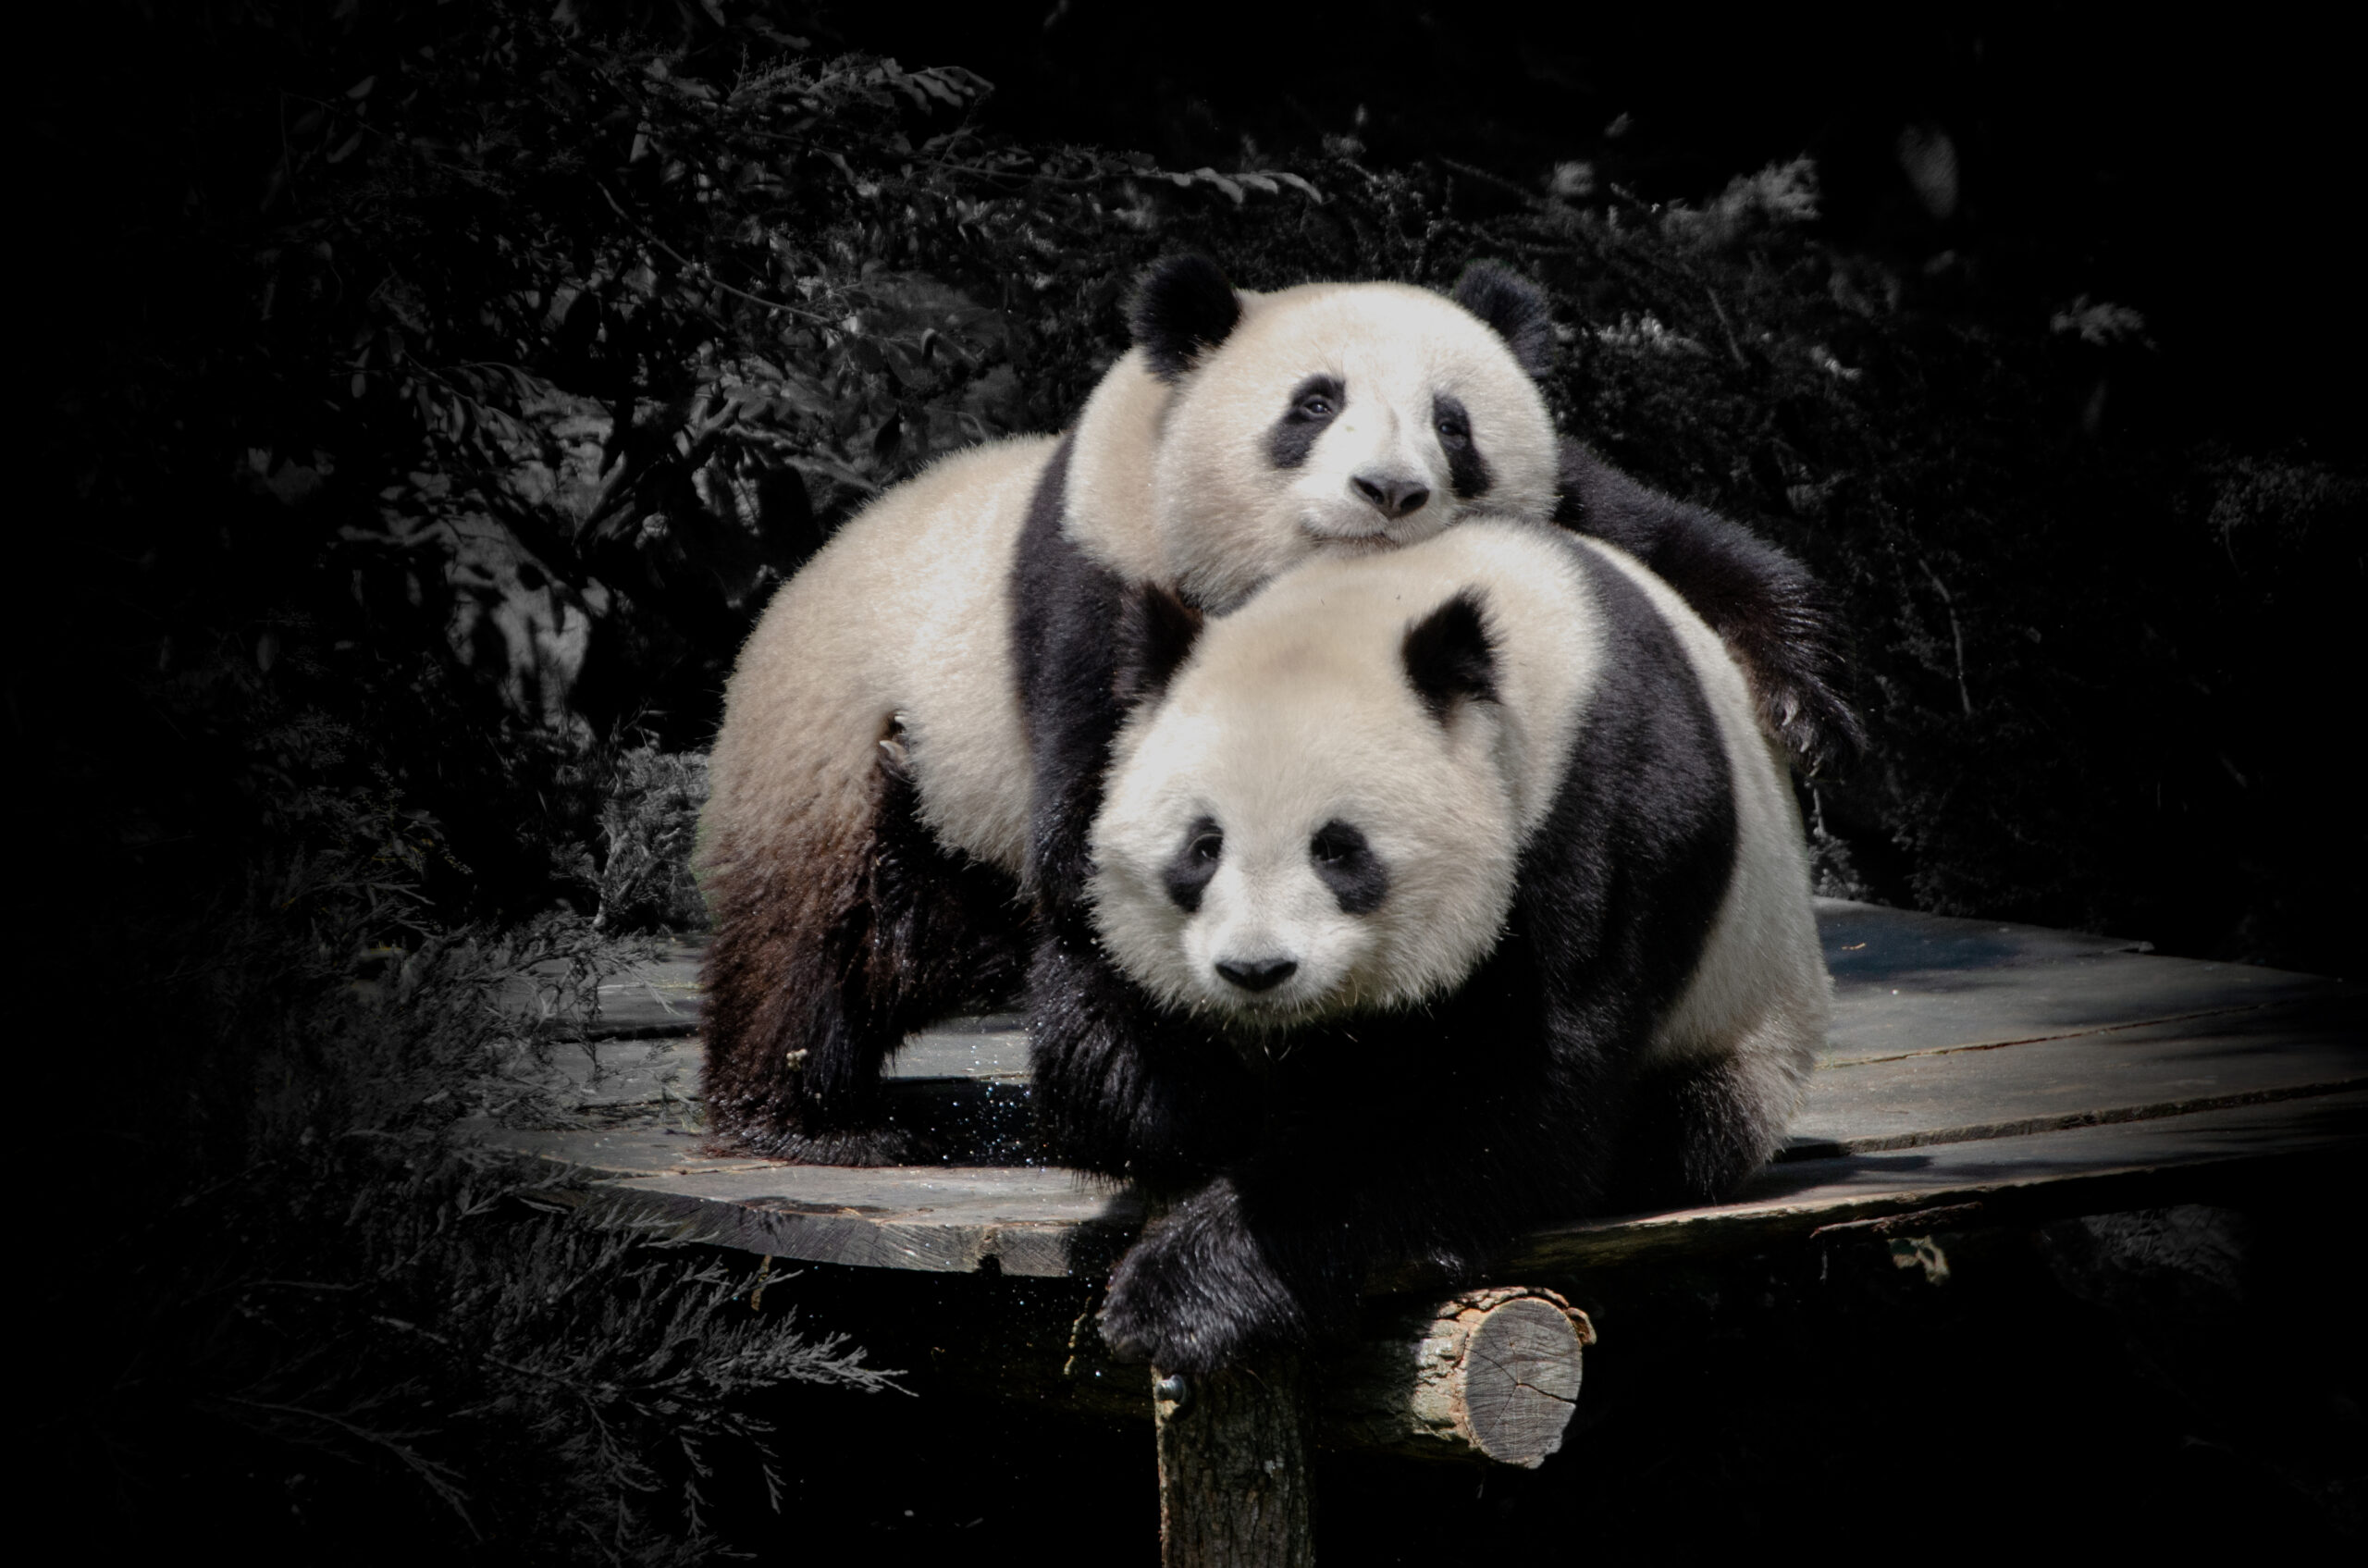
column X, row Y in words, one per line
column 1517, row 309
column 1182, row 308
column 1449, row 656
column 1156, row 631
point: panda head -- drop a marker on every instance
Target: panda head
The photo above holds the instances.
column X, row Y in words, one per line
column 1306, row 814
column 1338, row 418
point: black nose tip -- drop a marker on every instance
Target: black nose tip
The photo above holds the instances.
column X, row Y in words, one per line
column 1259, row 974
column 1391, row 498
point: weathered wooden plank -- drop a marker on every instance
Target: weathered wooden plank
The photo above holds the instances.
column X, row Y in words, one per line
column 1904, row 981
column 957, row 1087
column 651, row 999
column 1040, row 1222
column 624, row 1067
column 1874, row 938
column 617, row 1073
column 2026, row 1040
column 2123, row 1074
column 1902, row 1011
column 1048, row 1222
column 2079, row 1170
column 994, row 1045
column 1894, row 1102
column 638, row 1149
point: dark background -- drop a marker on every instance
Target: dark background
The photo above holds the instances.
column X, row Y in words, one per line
column 315, row 289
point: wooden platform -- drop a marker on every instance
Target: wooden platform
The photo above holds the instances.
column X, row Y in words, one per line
column 2031, row 1072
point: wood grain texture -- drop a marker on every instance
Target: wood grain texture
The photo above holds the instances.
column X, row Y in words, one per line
column 1035, row 1222
column 2028, row 1179
column 1485, row 1374
column 656, row 999
column 2131, row 1072
column 1902, row 1012
column 1234, row 1482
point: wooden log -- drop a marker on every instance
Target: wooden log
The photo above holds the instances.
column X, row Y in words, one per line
column 1488, row 1374
column 1233, row 1475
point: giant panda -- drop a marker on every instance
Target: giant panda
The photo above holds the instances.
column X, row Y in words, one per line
column 1434, row 894
column 914, row 735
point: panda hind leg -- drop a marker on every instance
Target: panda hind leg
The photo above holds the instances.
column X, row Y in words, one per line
column 790, row 932
column 1695, row 1132
column 950, row 934
column 822, row 963
column 941, row 933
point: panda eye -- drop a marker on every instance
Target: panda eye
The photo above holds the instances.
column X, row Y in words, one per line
column 1345, row 862
column 1335, row 842
column 1452, row 423
column 1194, row 864
column 1315, row 399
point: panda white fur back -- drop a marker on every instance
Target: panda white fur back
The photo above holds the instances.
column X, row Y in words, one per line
column 1438, row 894
column 900, row 619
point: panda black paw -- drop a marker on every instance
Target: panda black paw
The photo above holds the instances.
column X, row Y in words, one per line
column 1815, row 723
column 1198, row 1292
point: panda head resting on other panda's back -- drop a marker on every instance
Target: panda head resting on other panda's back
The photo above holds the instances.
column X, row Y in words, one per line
column 1338, row 418
column 1311, row 816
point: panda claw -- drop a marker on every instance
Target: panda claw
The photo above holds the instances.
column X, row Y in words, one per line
column 895, row 759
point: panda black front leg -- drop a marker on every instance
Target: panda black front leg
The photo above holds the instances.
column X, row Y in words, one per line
column 1121, row 1085
column 1433, row 1137
column 1201, row 1291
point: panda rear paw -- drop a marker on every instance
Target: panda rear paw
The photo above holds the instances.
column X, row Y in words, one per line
column 1815, row 723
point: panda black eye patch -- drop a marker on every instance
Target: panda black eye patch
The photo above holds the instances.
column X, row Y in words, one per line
column 1347, row 865
column 1194, row 862
column 1315, row 403
column 1467, row 470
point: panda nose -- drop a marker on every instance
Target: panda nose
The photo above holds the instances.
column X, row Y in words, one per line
column 1258, row 974
column 1391, row 498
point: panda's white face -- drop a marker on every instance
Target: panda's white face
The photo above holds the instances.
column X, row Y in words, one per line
column 1293, row 833
column 1339, row 419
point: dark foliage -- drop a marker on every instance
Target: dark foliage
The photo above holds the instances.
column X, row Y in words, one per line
column 297, row 1303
